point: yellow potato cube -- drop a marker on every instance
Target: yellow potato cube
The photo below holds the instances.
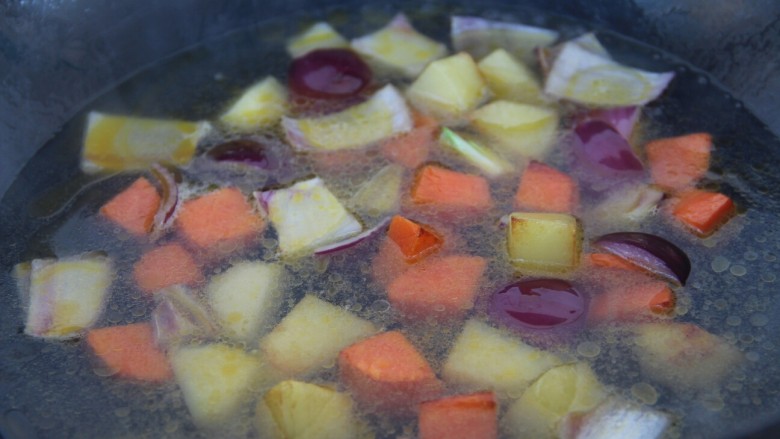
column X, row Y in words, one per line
column 449, row 88
column 484, row 357
column 545, row 242
column 262, row 104
column 510, row 79
column 319, row 36
column 519, row 129
column 560, row 391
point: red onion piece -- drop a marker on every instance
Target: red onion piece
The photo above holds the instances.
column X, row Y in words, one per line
column 351, row 241
column 244, row 151
column 329, row 74
column 179, row 316
column 649, row 252
column 622, row 119
column 542, row 309
column 602, row 148
column 170, row 199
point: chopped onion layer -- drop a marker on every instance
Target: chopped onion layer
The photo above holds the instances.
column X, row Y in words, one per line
column 307, row 216
column 583, row 72
column 179, row 316
column 603, row 150
column 352, row 241
column 64, row 296
column 164, row 217
column 479, row 37
column 487, row 160
column 649, row 252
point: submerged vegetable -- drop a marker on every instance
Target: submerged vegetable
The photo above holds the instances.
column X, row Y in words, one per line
column 479, row 36
column 649, row 252
column 328, row 74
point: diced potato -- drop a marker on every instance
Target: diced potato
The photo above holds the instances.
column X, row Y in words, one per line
column 519, row 129
column 381, row 194
column 545, row 242
column 298, row 410
column 245, row 297
column 683, row 355
column 560, row 391
column 319, row 36
column 118, row 143
column 65, row 296
column 484, row 357
column 400, row 47
column 449, row 88
column 216, row 380
column 509, row 78
column 616, row 418
column 312, row 335
column 262, row 104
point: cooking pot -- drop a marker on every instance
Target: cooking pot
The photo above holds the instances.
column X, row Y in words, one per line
column 57, row 56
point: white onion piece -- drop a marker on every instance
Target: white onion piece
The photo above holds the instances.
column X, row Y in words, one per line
column 165, row 215
column 382, row 116
column 179, row 316
column 307, row 216
column 64, row 296
column 616, row 418
column 479, row 37
column 351, row 241
column 582, row 73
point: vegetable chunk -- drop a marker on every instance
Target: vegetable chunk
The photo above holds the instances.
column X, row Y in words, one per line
column 448, row 190
column 545, row 189
column 221, row 220
column 632, row 302
column 165, row 266
column 679, row 162
column 412, row 148
column 484, row 357
column 543, row 242
column 216, row 380
column 263, row 103
column 311, row 336
column 387, row 374
column 440, row 288
column 703, row 212
column 130, row 350
column 245, row 297
column 65, row 296
column 415, row 241
column 134, row 208
column 461, row 416
column 298, row 410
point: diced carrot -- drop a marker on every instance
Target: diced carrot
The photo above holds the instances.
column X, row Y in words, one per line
column 447, row 190
column 411, row 149
column 703, row 212
column 134, row 208
column 388, row 263
column 165, row 266
column 440, row 288
column 459, row 417
column 546, row 189
column 130, row 351
column 679, row 162
column 221, row 218
column 606, row 260
column 632, row 302
column 387, row 374
column 414, row 240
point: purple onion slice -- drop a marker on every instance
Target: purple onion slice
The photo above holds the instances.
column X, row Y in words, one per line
column 602, row 148
column 539, row 304
column 622, row 119
column 649, row 252
column 170, row 199
column 244, row 151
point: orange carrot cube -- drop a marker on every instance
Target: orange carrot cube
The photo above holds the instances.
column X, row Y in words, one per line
column 387, row 374
column 703, row 212
column 440, row 288
column 607, row 260
column 448, row 190
column 130, row 350
column 134, row 208
column 223, row 217
column 632, row 302
column 459, row 417
column 414, row 240
column 165, row 266
column 546, row 189
column 679, row 162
